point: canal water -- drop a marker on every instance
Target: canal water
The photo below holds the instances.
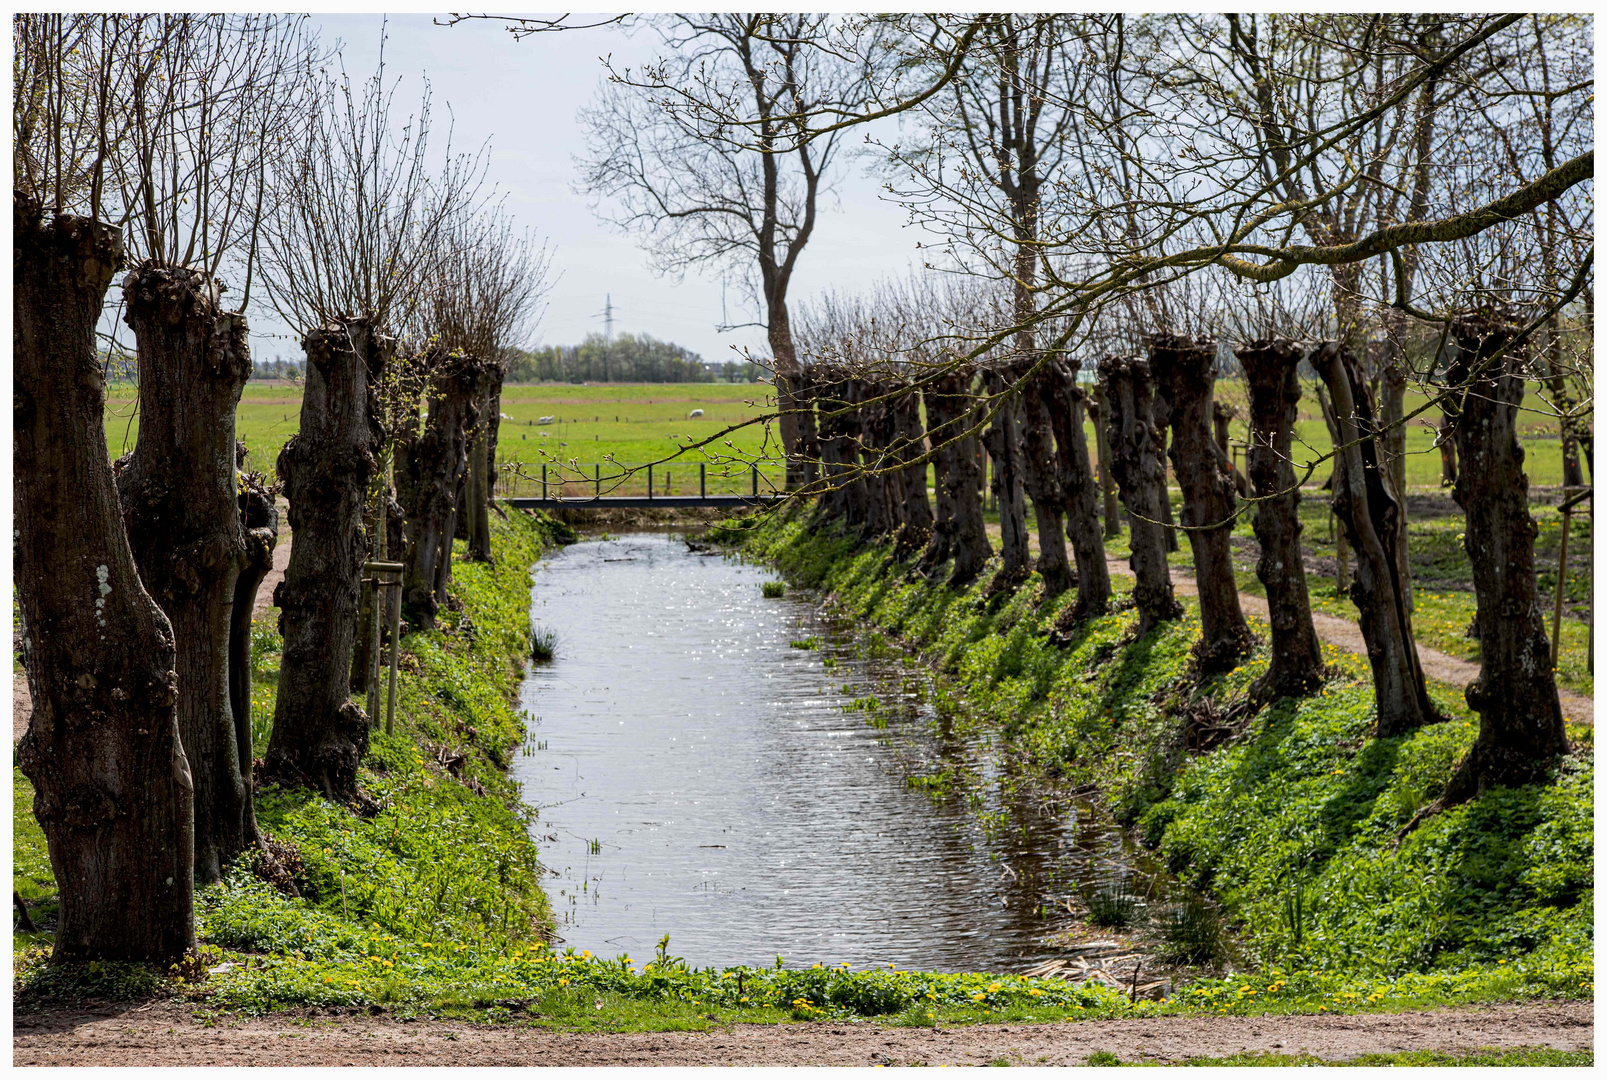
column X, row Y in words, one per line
column 699, row 776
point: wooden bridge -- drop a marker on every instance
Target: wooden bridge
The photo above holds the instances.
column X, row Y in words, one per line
column 553, row 494
column 623, row 502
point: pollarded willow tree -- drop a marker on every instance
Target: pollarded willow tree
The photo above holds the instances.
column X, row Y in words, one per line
column 352, row 233
column 190, row 172
column 156, row 124
column 113, row 790
column 484, row 294
column 991, row 146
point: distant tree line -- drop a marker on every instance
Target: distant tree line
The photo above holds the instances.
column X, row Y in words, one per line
column 278, row 368
column 627, row 358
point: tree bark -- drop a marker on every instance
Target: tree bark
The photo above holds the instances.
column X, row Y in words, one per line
column 1392, row 381
column 830, row 392
column 950, row 410
column 1270, row 373
column 112, row 787
column 1003, row 441
column 785, row 357
column 429, row 465
column 319, row 733
column 802, row 388
column 497, row 373
column 876, row 426
column 259, row 524
column 1369, row 513
column 1136, row 464
column 482, row 460
column 1185, row 367
column 1161, row 415
column 1521, row 730
column 1221, row 416
column 940, row 544
column 1341, row 545
column 1446, row 441
column 180, row 503
column 1107, row 481
column 1066, row 400
column 1041, row 478
column 916, row 529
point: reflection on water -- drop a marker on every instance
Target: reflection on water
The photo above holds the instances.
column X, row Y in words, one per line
column 698, row 776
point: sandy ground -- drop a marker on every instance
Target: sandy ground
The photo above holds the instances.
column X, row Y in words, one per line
column 165, row 1034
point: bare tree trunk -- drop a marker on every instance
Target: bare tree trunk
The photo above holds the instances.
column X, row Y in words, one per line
column 1135, row 462
column 1003, row 441
column 319, row 733
column 1341, row 545
column 497, row 373
column 478, row 500
column 180, row 505
column 940, row 544
column 429, row 467
column 916, row 530
column 1521, row 730
column 837, row 450
column 1369, row 513
column 876, row 426
column 112, row 787
column 1186, row 368
column 785, row 357
column 1392, row 379
column 1041, row 478
column 477, row 496
column 1221, row 416
column 804, row 387
column 1107, row 480
column 1270, row 373
column 1161, row 414
column 259, row 523
column 1066, row 400
column 1445, row 439
column 950, row 408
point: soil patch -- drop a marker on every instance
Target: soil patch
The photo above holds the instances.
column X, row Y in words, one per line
column 168, row 1034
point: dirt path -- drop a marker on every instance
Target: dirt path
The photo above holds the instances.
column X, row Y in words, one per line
column 1344, row 634
column 281, row 559
column 164, row 1034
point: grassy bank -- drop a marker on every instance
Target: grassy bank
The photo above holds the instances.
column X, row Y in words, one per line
column 444, row 870
column 433, row 906
column 1289, row 824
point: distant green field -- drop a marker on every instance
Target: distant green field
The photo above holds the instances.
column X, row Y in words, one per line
column 639, row 423
column 628, row 423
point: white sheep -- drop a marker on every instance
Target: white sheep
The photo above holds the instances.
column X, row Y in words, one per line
column 694, row 414
column 543, row 419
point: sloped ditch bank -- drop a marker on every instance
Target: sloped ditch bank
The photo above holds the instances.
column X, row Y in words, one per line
column 1106, row 910
column 1290, row 816
column 752, row 776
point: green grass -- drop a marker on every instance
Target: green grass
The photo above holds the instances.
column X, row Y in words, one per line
column 445, row 867
column 628, row 423
column 433, row 907
column 1291, row 827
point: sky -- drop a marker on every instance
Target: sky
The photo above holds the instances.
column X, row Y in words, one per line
column 523, row 97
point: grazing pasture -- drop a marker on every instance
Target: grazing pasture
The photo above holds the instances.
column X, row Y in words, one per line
column 639, row 422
